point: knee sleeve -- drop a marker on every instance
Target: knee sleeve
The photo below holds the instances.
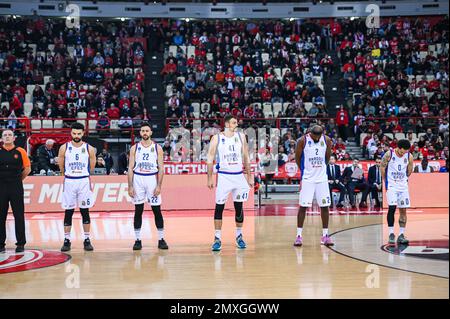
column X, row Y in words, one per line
column 138, row 210
column 239, row 209
column 218, row 212
column 85, row 216
column 390, row 216
column 68, row 217
column 159, row 221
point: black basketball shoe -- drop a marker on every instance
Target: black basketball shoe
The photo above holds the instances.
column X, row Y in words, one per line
column 137, row 245
column 87, row 245
column 67, row 245
column 162, row 244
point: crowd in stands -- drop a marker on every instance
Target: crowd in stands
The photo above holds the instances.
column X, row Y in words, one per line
column 394, row 78
column 396, row 81
column 249, row 69
column 48, row 71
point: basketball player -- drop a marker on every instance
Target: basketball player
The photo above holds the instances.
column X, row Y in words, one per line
column 396, row 167
column 75, row 161
column 312, row 155
column 231, row 149
column 145, row 177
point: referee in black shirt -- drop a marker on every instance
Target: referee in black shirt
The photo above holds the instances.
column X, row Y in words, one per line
column 14, row 167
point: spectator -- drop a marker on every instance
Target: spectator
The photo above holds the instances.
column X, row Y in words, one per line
column 123, row 162
column 445, row 169
column 334, row 181
column 353, row 178
column 374, row 179
column 47, row 157
column 424, row 167
column 103, row 122
column 109, row 162
column 342, row 121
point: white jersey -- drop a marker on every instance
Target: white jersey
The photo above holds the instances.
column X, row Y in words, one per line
column 421, row 170
column 312, row 163
column 396, row 172
column 229, row 154
column 76, row 161
column 146, row 160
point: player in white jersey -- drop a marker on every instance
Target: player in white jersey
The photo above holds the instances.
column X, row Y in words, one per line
column 75, row 160
column 145, row 177
column 231, row 149
column 396, row 167
column 312, row 155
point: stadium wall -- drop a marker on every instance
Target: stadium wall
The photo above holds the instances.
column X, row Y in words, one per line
column 222, row 10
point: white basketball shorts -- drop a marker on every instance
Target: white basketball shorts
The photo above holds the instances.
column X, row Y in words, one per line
column 144, row 189
column 236, row 184
column 77, row 192
column 310, row 190
column 398, row 198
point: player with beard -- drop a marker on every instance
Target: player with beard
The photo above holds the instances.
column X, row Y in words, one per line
column 145, row 177
column 76, row 158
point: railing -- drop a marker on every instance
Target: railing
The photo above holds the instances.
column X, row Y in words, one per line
column 27, row 126
column 290, row 122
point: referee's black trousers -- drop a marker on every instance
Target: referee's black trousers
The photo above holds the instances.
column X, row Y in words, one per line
column 12, row 193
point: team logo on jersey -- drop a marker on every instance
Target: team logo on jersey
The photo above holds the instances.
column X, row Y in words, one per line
column 83, row 150
column 30, row 259
column 321, row 143
column 393, row 159
column 16, row 156
column 70, row 148
column 309, row 143
column 152, row 149
column 223, row 141
column 405, row 160
column 139, row 148
column 324, row 201
column 235, row 139
column 238, row 197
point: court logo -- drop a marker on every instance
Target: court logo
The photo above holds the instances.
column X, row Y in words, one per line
column 30, row 259
column 430, row 249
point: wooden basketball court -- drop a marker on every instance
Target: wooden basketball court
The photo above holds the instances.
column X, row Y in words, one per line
column 358, row 266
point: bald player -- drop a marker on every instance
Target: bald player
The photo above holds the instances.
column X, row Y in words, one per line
column 312, row 156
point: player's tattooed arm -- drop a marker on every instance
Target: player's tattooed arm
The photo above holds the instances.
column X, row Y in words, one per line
column 329, row 147
column 384, row 164
column 299, row 150
column 210, row 160
column 130, row 172
column 410, row 165
column 61, row 158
